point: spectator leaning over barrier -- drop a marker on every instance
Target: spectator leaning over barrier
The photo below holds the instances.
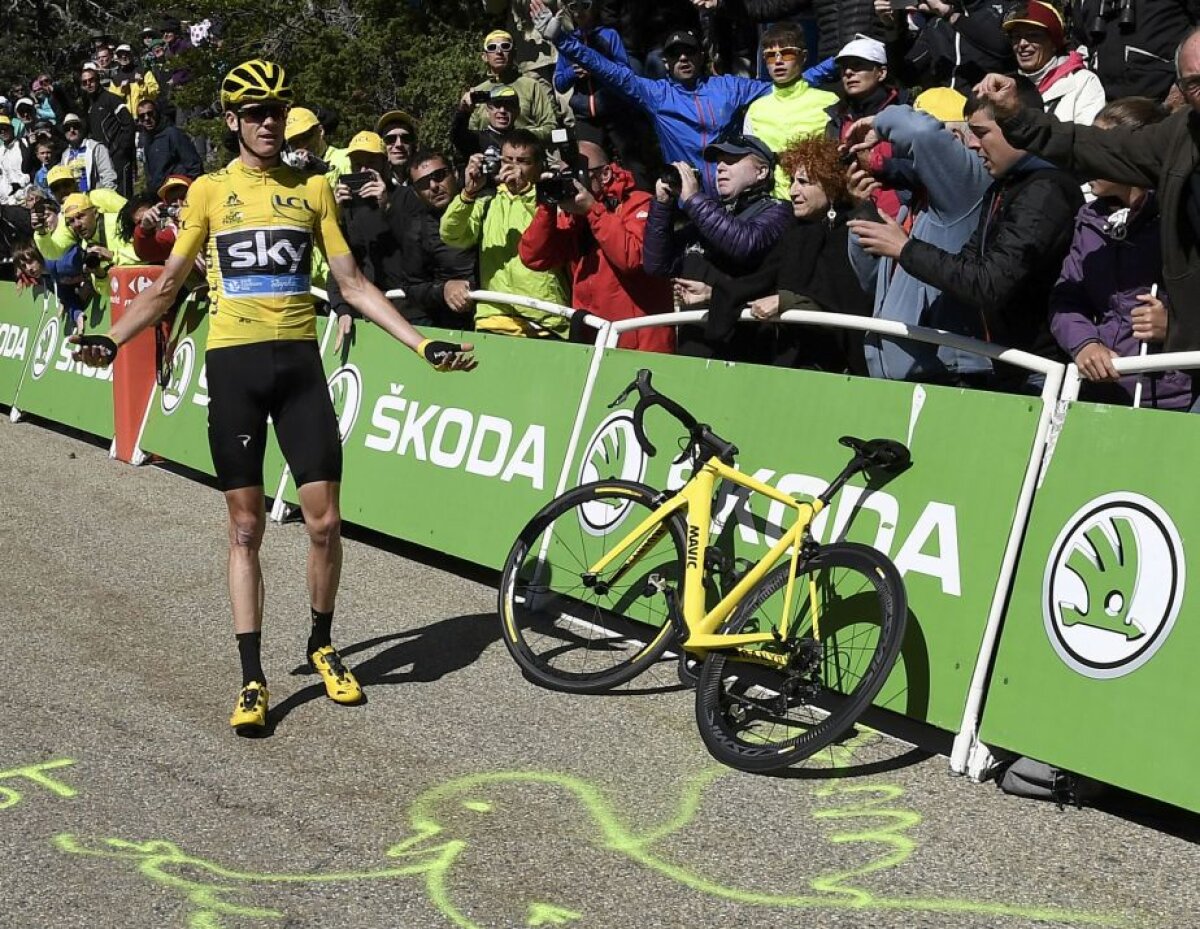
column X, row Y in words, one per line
column 793, row 108
column 12, row 178
column 689, row 109
column 598, row 233
column 94, row 219
column 493, row 222
column 65, row 276
column 400, row 134
column 537, row 110
column 1069, row 90
column 1102, row 306
column 503, row 113
column 88, row 159
column 310, row 152
column 1008, row 266
column 166, row 149
column 438, row 276
column 954, row 44
column 719, row 238
column 111, row 124
column 154, row 220
column 806, row 270
column 51, row 233
column 1162, row 157
column 950, row 185
column 1130, row 45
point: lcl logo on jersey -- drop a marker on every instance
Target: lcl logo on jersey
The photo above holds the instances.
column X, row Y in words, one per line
column 265, row 262
column 1113, row 585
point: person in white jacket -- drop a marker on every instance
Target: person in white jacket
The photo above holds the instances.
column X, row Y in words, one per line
column 1070, row 92
column 12, row 178
column 87, row 158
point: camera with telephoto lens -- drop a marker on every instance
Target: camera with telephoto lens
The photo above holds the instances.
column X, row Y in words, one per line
column 561, row 186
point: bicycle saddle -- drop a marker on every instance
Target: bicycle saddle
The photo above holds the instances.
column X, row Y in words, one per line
column 886, row 454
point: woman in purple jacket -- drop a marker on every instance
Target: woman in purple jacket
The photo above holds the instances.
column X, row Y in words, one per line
column 1103, row 306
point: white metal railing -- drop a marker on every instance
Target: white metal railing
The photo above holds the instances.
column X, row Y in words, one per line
column 1134, row 364
column 533, row 303
column 322, row 294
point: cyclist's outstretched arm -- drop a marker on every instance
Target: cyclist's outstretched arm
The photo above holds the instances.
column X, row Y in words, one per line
column 370, row 301
column 144, row 311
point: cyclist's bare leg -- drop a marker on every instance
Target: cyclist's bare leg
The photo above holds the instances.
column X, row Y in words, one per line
column 319, row 501
column 247, row 521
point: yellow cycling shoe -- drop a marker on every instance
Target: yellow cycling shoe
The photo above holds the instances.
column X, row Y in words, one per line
column 250, row 712
column 340, row 683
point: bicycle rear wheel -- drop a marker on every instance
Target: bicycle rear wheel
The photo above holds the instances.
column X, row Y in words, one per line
column 590, row 636
column 769, row 706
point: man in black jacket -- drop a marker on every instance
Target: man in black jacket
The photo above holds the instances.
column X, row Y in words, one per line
column 1130, row 44
column 111, row 124
column 1009, row 265
column 438, row 275
column 166, row 149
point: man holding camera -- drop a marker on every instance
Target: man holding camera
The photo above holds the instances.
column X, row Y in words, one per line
column 311, row 153
column 157, row 227
column 111, row 123
column 503, row 111
column 598, row 230
column 493, row 222
column 536, row 111
column 93, row 219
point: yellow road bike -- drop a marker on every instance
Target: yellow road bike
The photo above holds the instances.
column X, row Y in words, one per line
column 612, row 576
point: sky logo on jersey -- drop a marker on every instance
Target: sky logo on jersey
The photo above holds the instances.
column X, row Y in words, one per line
column 271, row 262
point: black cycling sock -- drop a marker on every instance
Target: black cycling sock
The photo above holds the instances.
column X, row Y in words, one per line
column 250, row 650
column 321, row 626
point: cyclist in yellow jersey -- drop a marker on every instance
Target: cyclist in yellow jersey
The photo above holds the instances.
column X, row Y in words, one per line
column 261, row 221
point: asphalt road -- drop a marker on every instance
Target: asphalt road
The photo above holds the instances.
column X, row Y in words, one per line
column 459, row 794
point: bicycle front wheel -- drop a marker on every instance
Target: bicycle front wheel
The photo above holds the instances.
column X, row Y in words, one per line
column 570, row 629
column 768, row 706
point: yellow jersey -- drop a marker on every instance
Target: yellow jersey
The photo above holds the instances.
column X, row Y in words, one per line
column 261, row 226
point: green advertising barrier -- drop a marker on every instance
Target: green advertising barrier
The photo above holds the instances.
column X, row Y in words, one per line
column 1092, row 658
column 56, row 387
column 456, row 462
column 20, row 322
column 176, row 425
column 944, row 522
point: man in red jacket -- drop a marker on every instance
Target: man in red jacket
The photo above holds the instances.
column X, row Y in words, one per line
column 599, row 234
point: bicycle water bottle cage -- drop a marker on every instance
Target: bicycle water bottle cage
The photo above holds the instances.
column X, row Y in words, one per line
column 882, row 454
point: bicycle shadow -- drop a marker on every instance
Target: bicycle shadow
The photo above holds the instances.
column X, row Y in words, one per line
column 414, row 656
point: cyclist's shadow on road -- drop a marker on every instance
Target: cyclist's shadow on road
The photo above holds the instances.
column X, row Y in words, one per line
column 412, row 656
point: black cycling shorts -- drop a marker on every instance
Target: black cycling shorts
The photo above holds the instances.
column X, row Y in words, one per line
column 285, row 381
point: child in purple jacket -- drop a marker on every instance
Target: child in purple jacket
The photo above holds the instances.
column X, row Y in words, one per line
column 1102, row 306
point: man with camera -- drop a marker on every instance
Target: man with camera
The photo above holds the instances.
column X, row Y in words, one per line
column 93, row 219
column 166, row 149
column 111, row 123
column 493, row 222
column 536, row 111
column 503, row 108
column 88, row 159
column 156, row 227
column 311, row 153
column 592, row 220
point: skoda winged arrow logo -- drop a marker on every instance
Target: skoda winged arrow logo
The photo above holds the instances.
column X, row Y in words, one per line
column 43, row 350
column 183, row 363
column 345, row 390
column 612, row 452
column 1114, row 585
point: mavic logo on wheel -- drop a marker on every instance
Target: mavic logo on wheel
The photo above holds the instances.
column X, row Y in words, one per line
column 1113, row 585
column 43, row 349
column 345, row 390
column 183, row 365
column 612, row 452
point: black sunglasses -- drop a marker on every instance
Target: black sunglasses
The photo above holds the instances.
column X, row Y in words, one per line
column 433, row 177
column 396, row 138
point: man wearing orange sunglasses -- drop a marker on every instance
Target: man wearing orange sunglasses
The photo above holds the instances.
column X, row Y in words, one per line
column 794, row 108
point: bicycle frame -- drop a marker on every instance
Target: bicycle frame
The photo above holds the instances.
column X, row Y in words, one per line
column 695, row 498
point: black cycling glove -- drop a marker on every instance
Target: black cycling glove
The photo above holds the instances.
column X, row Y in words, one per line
column 439, row 354
column 106, row 345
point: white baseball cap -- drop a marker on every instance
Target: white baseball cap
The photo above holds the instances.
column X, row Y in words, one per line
column 870, row 50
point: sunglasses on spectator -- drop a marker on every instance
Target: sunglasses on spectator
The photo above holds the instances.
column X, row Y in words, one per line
column 498, row 47
column 398, row 138
column 148, row 116
column 433, row 177
column 788, row 53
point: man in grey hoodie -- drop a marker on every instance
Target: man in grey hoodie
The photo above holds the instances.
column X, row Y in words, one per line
column 951, row 183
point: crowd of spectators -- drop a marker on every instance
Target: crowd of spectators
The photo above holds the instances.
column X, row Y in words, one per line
column 632, row 159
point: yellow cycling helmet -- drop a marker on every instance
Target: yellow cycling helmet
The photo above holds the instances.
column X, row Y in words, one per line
column 255, row 81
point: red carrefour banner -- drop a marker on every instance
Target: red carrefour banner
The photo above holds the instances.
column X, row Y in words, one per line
column 136, row 364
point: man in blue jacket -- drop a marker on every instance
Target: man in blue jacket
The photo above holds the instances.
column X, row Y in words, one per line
column 690, row 109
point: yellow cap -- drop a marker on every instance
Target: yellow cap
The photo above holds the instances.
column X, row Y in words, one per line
column 367, row 142
column 60, row 173
column 944, row 103
column 497, row 35
column 4, row 120
column 299, row 121
column 395, row 118
column 76, row 204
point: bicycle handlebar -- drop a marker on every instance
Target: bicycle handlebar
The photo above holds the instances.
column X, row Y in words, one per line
column 700, row 436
